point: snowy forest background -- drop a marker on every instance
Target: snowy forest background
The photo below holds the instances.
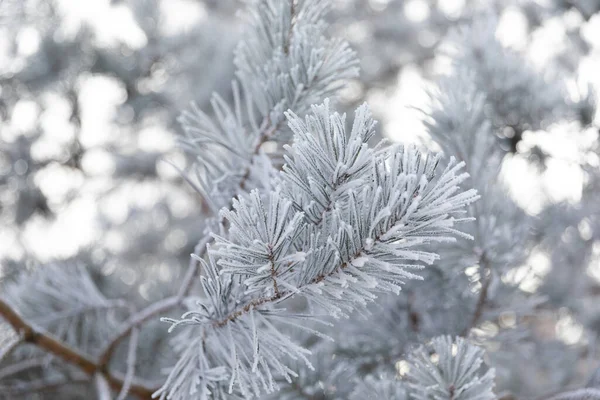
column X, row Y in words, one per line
column 90, row 93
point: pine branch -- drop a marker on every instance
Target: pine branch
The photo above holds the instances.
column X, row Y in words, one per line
column 284, row 61
column 33, row 336
column 69, row 355
column 256, row 303
column 455, row 373
column 268, row 132
column 387, row 205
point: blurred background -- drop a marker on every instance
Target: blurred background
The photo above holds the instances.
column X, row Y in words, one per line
column 90, row 92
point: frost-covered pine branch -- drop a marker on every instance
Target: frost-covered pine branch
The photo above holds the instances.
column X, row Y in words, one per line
column 271, row 253
column 443, row 369
column 63, row 342
column 448, row 369
column 380, row 388
column 64, row 300
column 371, row 221
column 285, row 61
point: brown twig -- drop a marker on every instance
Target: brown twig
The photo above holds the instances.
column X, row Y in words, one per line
column 61, row 350
column 52, row 345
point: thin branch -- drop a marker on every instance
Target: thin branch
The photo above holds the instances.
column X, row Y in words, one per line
column 265, row 136
column 45, row 341
column 61, row 350
column 278, row 296
column 192, row 271
column 273, row 271
column 149, row 313
column 9, row 347
column 102, row 388
column 131, row 357
column 18, row 367
column 153, row 311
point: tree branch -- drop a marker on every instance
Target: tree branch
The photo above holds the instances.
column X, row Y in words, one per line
column 253, row 304
column 131, row 359
column 156, row 309
column 102, row 388
column 61, row 350
column 149, row 313
column 45, row 341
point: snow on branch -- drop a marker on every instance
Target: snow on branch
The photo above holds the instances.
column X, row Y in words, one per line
column 324, row 162
column 447, row 369
column 370, row 238
column 63, row 299
column 285, row 61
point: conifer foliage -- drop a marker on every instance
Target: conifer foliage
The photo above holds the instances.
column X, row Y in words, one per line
column 332, row 266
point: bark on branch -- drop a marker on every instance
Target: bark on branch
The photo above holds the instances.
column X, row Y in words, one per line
column 47, row 342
